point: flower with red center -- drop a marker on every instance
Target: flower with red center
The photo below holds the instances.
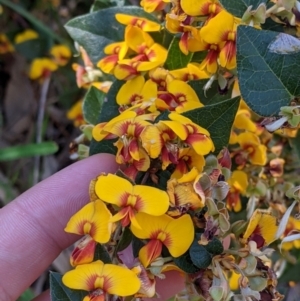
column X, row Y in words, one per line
column 115, row 52
column 262, row 228
column 41, row 68
column 238, row 183
column 176, row 234
column 179, row 96
column 191, row 133
column 221, row 30
column 93, row 219
column 130, row 198
column 101, row 279
column 153, row 5
column 253, row 150
column 140, row 22
column 201, row 7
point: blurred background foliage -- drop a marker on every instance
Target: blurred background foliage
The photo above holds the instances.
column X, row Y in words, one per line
column 20, row 99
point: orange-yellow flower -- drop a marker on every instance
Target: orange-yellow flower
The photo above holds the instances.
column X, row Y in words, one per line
column 41, row 68
column 221, row 30
column 26, row 35
column 182, row 193
column 238, row 183
column 153, row 5
column 136, row 91
column 105, row 278
column 293, row 224
column 176, row 234
column 189, row 132
column 75, row 113
column 115, row 52
column 130, row 198
column 84, row 252
column 140, row 22
column 253, row 149
column 201, row 7
column 61, row 54
column 179, row 97
column 191, row 72
column 5, row 44
column 93, row 219
column 262, row 228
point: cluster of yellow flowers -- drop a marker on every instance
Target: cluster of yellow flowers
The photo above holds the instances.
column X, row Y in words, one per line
column 189, row 214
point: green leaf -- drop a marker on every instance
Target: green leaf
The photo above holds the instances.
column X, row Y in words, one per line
column 238, row 7
column 217, row 119
column 125, row 240
column 267, row 80
column 212, row 95
column 110, row 109
column 200, row 257
column 214, row 247
column 28, row 150
column 100, row 4
column 33, row 20
column 102, row 254
column 92, row 105
column 34, row 48
column 185, row 263
column 176, row 59
column 59, row 292
column 96, row 30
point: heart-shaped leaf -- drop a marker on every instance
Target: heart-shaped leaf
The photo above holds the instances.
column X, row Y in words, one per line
column 59, row 292
column 268, row 80
column 176, row 59
column 238, row 7
column 92, row 105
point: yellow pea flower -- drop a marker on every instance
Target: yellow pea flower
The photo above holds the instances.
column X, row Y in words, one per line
column 189, row 132
column 136, row 91
column 41, row 68
column 105, row 278
column 179, row 96
column 153, row 5
column 262, row 228
column 191, row 72
column 5, row 45
column 293, row 224
column 75, row 113
column 176, row 234
column 243, row 121
column 238, row 183
column 130, row 198
column 201, row 7
column 26, row 35
column 61, row 54
column 253, row 149
column 93, row 219
column 221, row 30
column 142, row 23
column 182, row 193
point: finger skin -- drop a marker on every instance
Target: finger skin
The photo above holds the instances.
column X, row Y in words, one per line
column 32, row 227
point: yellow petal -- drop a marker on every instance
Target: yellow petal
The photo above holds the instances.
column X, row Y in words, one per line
column 151, row 200
column 129, row 92
column 181, row 232
column 149, row 224
column 137, row 39
column 84, row 277
column 26, row 35
column 120, row 281
column 93, row 219
column 41, row 67
column 111, row 189
column 142, row 23
column 263, row 224
column 151, row 141
column 217, row 28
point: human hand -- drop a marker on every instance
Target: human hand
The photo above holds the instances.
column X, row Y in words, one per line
column 32, row 228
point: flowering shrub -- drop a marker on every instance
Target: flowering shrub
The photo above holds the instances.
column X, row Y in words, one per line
column 198, row 100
